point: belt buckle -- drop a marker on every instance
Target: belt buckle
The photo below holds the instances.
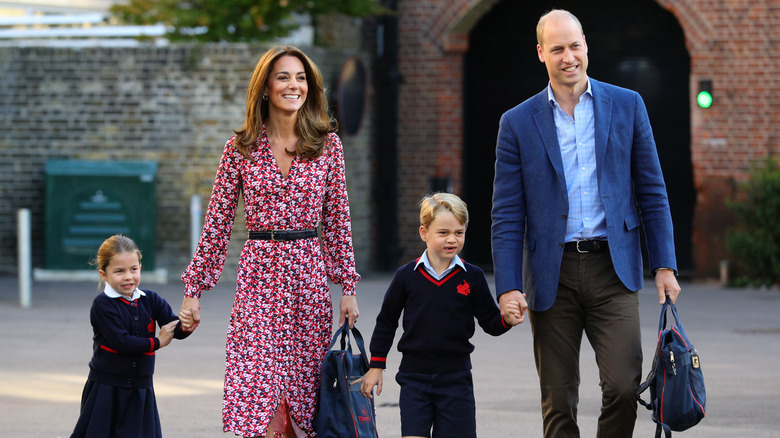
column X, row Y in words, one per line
column 273, row 237
column 578, row 246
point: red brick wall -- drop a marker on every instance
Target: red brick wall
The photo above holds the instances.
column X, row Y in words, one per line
column 430, row 121
column 733, row 43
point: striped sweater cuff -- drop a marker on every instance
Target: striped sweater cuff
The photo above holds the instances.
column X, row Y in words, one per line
column 378, row 362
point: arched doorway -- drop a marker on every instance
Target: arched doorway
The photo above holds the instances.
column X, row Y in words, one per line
column 635, row 45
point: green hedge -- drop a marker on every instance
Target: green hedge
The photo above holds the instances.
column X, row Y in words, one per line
column 755, row 244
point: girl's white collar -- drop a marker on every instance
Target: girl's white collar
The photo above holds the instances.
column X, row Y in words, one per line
column 111, row 293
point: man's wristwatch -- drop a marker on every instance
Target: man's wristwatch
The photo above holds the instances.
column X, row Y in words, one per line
column 663, row 269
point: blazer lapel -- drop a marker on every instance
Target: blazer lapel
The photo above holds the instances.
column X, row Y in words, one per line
column 602, row 113
column 545, row 123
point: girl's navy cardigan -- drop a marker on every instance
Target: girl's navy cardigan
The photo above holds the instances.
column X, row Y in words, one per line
column 438, row 319
column 124, row 341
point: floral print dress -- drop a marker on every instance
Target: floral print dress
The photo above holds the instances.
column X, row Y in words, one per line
column 280, row 325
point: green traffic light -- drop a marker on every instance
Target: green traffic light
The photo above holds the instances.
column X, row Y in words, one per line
column 704, row 99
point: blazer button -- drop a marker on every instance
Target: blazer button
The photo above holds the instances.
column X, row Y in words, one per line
column 135, row 317
column 560, row 245
column 563, row 217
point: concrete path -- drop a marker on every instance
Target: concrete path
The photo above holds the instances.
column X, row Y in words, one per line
column 44, row 353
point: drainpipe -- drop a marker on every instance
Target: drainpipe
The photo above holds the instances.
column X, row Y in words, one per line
column 387, row 80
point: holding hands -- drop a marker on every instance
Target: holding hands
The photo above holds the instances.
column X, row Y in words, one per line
column 187, row 322
column 513, row 306
column 166, row 333
column 515, row 313
column 190, row 314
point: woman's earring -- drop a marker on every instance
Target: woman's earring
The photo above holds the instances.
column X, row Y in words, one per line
column 265, row 97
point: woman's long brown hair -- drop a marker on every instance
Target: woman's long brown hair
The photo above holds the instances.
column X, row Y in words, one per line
column 314, row 122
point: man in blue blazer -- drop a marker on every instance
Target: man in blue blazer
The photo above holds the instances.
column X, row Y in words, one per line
column 577, row 175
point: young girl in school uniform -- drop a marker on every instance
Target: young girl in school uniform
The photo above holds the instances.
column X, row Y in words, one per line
column 118, row 399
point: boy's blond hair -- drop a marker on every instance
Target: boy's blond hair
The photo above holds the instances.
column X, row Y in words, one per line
column 432, row 205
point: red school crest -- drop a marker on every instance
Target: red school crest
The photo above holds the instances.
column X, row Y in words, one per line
column 464, row 289
column 150, row 327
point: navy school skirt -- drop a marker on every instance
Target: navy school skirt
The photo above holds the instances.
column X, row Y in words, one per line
column 111, row 412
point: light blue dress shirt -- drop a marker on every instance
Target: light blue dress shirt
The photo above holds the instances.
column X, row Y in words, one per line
column 576, row 136
column 455, row 262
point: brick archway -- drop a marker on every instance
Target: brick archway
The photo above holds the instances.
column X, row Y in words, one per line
column 433, row 41
column 433, row 38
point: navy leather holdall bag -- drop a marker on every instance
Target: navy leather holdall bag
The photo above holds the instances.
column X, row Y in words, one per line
column 677, row 395
column 343, row 412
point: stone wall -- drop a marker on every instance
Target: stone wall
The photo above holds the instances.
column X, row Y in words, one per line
column 175, row 105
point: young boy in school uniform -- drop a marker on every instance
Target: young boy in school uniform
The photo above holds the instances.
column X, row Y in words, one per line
column 439, row 295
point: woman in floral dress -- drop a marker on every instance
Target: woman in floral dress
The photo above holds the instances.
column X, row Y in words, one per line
column 288, row 164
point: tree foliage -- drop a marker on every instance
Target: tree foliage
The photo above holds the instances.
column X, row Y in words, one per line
column 233, row 20
column 756, row 244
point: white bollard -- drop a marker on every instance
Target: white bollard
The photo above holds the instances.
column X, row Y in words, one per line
column 724, row 273
column 25, row 258
column 195, row 225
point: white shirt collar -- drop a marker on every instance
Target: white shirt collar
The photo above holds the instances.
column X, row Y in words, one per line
column 111, row 293
column 456, row 261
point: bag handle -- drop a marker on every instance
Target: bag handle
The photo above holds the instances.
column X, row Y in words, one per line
column 360, row 344
column 662, row 323
column 346, row 344
column 653, row 370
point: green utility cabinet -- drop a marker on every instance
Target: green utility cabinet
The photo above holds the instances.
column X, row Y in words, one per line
column 89, row 201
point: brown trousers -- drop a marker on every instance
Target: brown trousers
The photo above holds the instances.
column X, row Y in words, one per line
column 591, row 299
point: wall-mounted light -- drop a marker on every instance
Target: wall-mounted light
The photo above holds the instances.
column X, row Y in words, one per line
column 704, row 98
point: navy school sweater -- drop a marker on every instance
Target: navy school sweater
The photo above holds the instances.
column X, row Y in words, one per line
column 124, row 340
column 438, row 319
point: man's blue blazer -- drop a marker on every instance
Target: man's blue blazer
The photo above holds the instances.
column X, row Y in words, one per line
column 530, row 201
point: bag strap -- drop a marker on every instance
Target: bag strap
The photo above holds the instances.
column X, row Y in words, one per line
column 339, row 331
column 648, row 381
column 664, row 308
column 346, row 343
column 360, row 344
column 662, row 323
column 662, row 427
column 654, row 369
column 661, row 327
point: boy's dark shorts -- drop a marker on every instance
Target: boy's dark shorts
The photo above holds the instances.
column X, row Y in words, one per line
column 442, row 401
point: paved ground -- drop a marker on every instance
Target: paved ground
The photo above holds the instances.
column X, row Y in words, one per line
column 44, row 353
